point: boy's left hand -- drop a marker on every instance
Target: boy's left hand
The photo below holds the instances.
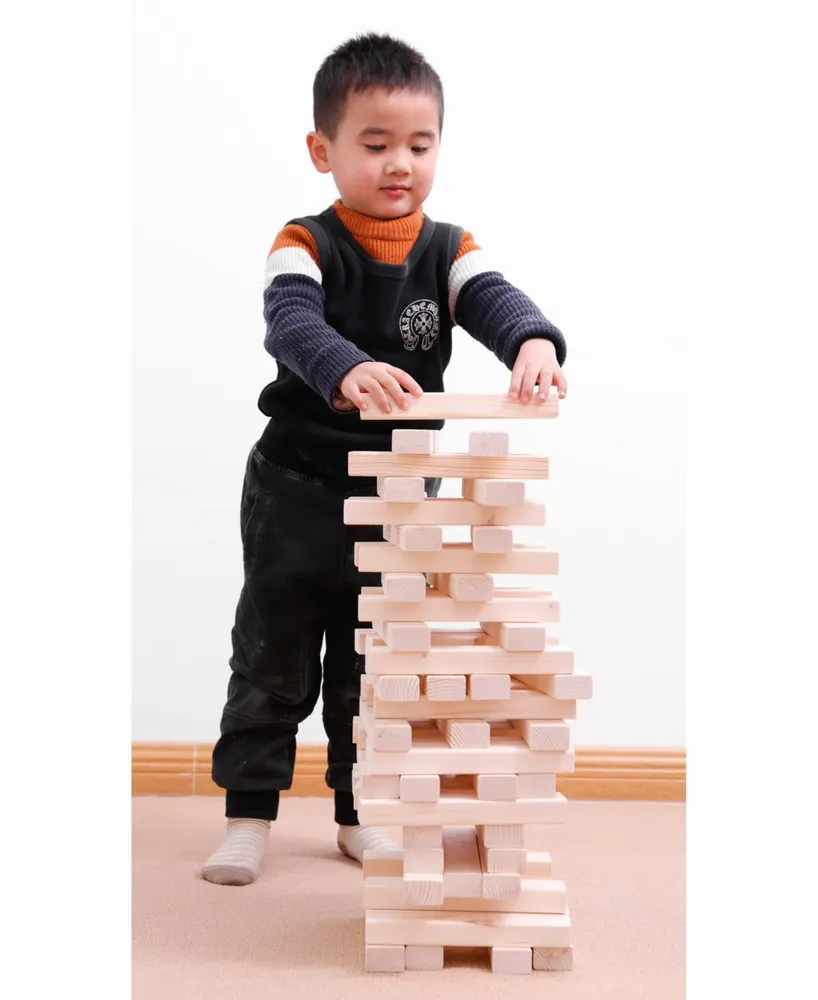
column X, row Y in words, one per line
column 536, row 364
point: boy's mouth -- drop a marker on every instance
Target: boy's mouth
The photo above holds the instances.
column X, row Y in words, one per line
column 395, row 190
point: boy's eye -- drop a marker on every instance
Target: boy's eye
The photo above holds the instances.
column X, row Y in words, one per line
column 381, row 148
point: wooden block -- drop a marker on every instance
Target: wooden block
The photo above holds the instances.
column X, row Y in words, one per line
column 427, row 735
column 457, row 809
column 467, row 406
column 401, row 587
column 537, row 865
column 404, row 636
column 423, row 861
column 462, row 874
column 469, row 587
column 543, row 734
column 510, row 604
column 484, row 654
column 504, row 860
column 360, row 638
column 380, row 786
column 367, row 689
column 468, row 929
column 416, row 537
column 390, row 533
column 385, row 868
column 415, row 442
column 446, row 687
column 560, row 659
column 507, row 754
column 517, row 637
column 385, row 958
column 489, row 687
column 397, row 687
column 496, row 787
column 536, row 896
column 494, row 492
column 492, row 539
column 522, row 704
column 454, row 557
column 401, row 489
column 511, row 961
column 466, row 734
column 501, row 835
column 497, row 885
column 505, row 886
column 420, row 787
column 386, row 464
column 536, row 786
column 422, row 890
column 382, row 862
column 424, row 958
column 553, row 959
column 391, row 736
column 358, row 733
column 422, row 836
column 563, row 686
column 492, row 444
column 440, row 510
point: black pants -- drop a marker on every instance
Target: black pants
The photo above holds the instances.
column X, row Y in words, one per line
column 300, row 590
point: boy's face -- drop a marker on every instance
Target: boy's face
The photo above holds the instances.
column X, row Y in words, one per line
column 384, row 155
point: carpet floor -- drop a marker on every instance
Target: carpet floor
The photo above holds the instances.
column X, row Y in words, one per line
column 297, row 933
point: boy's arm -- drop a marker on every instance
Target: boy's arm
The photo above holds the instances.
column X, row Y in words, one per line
column 492, row 310
column 297, row 332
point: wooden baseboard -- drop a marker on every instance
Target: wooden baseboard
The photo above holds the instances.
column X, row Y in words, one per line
column 645, row 774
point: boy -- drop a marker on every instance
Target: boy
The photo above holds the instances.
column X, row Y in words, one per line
column 359, row 307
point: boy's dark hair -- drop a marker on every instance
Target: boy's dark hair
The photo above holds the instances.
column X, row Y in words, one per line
column 369, row 61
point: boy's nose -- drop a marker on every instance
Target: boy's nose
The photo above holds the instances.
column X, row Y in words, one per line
column 397, row 166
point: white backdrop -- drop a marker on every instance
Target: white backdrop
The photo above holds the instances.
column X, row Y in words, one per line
column 564, row 152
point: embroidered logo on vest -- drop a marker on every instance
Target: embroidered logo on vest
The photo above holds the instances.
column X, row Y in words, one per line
column 420, row 322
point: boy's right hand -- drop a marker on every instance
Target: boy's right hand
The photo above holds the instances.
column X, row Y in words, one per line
column 379, row 382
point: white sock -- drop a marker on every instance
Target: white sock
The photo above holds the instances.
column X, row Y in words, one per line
column 354, row 840
column 237, row 860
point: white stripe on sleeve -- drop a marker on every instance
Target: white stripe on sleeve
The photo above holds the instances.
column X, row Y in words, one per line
column 290, row 260
column 468, row 266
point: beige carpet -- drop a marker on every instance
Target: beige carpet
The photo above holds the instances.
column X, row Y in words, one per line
column 297, row 933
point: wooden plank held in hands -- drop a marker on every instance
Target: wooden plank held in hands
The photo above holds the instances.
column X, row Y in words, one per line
column 465, row 406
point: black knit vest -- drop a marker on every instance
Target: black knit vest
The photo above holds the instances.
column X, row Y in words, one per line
column 396, row 313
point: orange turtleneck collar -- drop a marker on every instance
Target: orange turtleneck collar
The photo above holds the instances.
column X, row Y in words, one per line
column 389, row 240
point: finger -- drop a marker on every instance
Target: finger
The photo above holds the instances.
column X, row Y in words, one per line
column 561, row 383
column 379, row 397
column 406, row 380
column 393, row 387
column 354, row 395
column 529, row 378
column 544, row 379
column 516, row 379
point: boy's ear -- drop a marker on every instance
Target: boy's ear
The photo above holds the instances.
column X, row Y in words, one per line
column 319, row 153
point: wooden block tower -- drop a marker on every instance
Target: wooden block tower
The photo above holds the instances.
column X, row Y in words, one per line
column 461, row 733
